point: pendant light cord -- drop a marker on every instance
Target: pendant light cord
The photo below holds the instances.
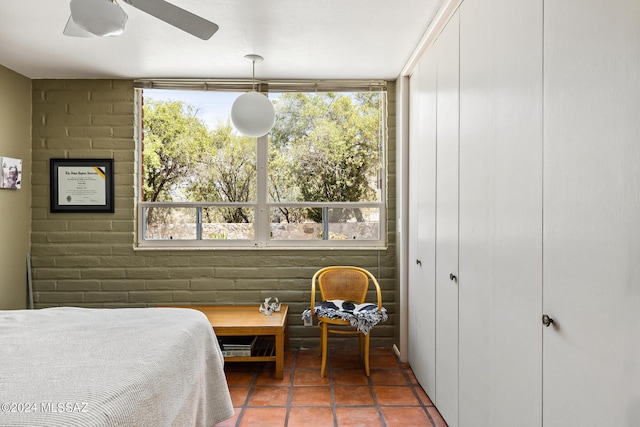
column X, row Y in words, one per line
column 253, row 76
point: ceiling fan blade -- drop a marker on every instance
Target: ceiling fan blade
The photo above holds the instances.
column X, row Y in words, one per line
column 178, row 17
column 72, row 29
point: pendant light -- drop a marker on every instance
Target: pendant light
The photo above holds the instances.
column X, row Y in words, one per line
column 252, row 113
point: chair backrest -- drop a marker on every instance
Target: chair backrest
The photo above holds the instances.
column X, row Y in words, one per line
column 344, row 282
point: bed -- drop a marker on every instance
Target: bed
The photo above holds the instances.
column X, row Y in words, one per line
column 110, row 367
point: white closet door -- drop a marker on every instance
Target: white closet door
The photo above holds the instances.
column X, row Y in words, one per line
column 500, row 213
column 422, row 160
column 592, row 213
column 447, row 50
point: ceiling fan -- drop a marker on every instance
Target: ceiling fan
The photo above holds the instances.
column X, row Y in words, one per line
column 104, row 18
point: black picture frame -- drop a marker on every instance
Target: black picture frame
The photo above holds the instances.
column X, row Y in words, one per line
column 81, row 185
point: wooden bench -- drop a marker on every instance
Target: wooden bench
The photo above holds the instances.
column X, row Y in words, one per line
column 249, row 321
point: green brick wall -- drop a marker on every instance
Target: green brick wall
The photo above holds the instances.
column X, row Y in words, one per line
column 88, row 260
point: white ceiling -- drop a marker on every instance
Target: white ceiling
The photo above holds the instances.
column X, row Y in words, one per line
column 299, row 39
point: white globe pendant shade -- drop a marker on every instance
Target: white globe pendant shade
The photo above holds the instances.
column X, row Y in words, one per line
column 253, row 114
column 99, row 17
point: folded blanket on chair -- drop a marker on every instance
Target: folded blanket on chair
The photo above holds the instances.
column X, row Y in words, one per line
column 361, row 316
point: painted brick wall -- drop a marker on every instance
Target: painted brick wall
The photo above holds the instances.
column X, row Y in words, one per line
column 88, row 260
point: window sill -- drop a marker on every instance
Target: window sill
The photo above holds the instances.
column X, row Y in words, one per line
column 269, row 248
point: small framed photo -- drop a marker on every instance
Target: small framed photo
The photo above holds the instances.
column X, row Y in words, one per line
column 81, row 185
column 11, row 175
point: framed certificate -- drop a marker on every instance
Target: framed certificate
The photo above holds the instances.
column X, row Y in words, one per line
column 81, row 185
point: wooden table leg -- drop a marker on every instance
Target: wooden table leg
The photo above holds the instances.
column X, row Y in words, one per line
column 279, row 374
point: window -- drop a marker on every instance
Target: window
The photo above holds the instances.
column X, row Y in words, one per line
column 316, row 180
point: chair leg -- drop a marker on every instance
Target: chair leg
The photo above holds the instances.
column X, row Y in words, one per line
column 366, row 354
column 321, row 338
column 323, row 341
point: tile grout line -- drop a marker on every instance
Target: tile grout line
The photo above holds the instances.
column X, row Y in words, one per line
column 334, row 406
column 333, row 372
column 375, row 401
column 414, row 390
column 294, row 364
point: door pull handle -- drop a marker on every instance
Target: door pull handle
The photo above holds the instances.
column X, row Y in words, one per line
column 418, row 262
column 546, row 320
column 453, row 277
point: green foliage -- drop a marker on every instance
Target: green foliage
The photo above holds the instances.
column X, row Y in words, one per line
column 227, row 173
column 326, row 148
column 323, row 148
column 173, row 137
column 220, row 235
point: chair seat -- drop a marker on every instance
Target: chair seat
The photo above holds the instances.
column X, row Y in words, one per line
column 361, row 316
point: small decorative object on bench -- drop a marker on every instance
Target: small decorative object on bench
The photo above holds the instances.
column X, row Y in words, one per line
column 271, row 305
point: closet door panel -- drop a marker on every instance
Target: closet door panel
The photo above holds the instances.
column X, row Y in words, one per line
column 592, row 213
column 422, row 167
column 446, row 49
column 500, row 213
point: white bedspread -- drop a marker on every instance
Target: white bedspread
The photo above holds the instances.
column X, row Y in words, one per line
column 110, row 367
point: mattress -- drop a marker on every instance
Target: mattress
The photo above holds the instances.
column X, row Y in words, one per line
column 110, row 367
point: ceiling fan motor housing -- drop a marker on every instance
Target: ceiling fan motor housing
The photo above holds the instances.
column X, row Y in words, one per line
column 100, row 17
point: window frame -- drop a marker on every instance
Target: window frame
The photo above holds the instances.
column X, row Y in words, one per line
column 261, row 206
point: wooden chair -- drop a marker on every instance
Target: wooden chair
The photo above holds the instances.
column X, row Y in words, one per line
column 343, row 283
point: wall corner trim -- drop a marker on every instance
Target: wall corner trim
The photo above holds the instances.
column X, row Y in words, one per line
column 433, row 31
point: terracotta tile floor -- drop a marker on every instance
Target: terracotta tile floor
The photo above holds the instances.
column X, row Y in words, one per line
column 390, row 397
